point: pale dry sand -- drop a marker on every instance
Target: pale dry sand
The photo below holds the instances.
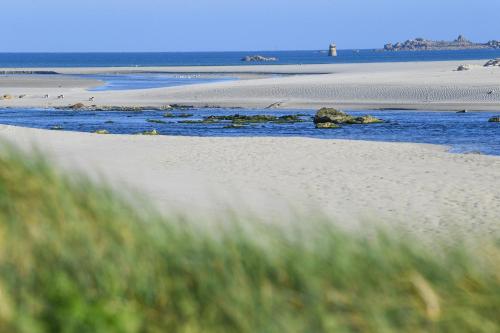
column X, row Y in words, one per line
column 423, row 85
column 420, row 187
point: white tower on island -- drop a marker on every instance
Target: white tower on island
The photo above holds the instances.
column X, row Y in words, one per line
column 332, row 52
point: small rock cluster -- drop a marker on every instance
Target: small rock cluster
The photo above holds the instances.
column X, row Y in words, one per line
column 256, row 58
column 421, row 44
column 493, row 63
column 151, row 132
column 463, row 68
column 246, row 119
column 332, row 118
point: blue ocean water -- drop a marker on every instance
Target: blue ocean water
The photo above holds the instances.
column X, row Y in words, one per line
column 468, row 132
column 34, row 60
column 150, row 80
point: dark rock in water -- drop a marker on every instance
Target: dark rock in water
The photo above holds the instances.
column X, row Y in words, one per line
column 330, row 115
column 495, row 119
column 179, row 106
column 180, row 115
column 289, row 119
column 259, row 58
column 367, row 120
column 56, row 128
column 260, row 118
column 238, row 118
column 326, row 125
column 246, row 119
column 462, row 111
column 156, row 121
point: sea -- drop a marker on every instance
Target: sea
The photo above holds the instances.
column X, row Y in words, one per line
column 34, row 60
column 462, row 133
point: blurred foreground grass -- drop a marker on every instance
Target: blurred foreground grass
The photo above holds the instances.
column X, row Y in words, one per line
column 75, row 258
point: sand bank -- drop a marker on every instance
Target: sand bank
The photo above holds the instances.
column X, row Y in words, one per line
column 424, row 85
column 421, row 187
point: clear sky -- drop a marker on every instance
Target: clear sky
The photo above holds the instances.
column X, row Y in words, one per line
column 224, row 25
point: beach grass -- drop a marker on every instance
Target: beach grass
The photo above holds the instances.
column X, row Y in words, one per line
column 76, row 257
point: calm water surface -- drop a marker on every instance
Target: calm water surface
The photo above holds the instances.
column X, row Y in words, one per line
column 469, row 132
column 34, row 60
column 151, row 80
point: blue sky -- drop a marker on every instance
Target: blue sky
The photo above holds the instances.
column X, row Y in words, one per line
column 223, row 25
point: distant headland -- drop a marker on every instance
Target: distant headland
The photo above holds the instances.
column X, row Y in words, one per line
column 421, row 44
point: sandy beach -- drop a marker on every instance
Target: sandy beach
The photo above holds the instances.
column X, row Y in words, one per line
column 419, row 85
column 420, row 187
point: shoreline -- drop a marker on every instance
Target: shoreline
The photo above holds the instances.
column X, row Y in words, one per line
column 411, row 85
column 421, row 187
column 269, row 68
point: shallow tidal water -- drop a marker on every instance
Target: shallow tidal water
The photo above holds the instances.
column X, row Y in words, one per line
column 151, row 80
column 462, row 132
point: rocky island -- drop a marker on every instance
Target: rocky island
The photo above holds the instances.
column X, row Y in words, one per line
column 258, row 58
column 421, row 44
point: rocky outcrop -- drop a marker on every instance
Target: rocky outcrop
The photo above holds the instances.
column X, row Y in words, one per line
column 327, row 125
column 462, row 68
column 494, row 44
column 366, row 120
column 421, row 44
column 493, row 63
column 327, row 116
column 259, row 58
